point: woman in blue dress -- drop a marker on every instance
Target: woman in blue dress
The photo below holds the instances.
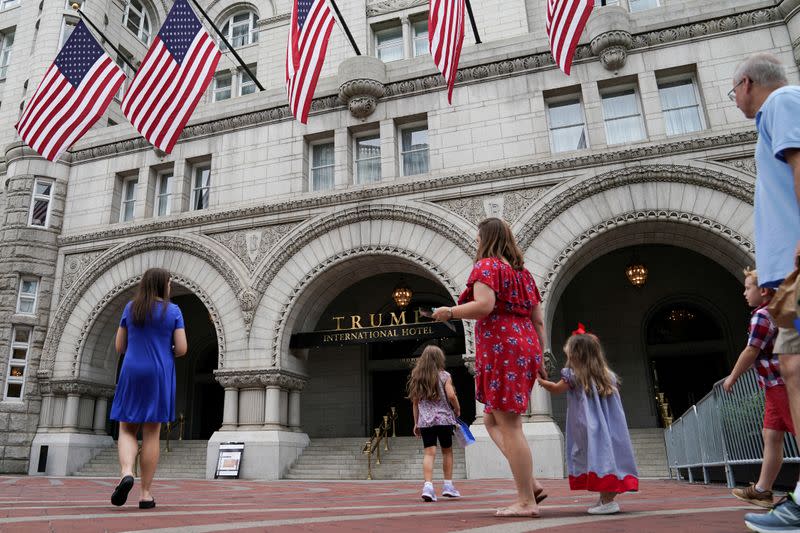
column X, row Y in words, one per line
column 151, row 334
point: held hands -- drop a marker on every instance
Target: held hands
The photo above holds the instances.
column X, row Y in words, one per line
column 728, row 384
column 546, row 384
column 442, row 314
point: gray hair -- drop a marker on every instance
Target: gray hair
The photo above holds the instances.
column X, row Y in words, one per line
column 764, row 69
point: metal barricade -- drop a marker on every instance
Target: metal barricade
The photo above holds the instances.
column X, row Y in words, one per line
column 722, row 430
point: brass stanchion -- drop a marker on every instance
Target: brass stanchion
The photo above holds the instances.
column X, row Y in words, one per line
column 378, row 444
column 386, row 432
column 394, row 419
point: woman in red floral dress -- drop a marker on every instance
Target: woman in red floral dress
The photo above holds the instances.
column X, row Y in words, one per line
column 509, row 333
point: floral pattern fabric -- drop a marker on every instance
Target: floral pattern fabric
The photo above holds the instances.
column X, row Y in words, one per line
column 507, row 350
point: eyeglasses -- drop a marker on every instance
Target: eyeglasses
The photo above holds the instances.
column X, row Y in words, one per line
column 732, row 92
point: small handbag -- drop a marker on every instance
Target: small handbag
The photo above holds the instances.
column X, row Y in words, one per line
column 784, row 305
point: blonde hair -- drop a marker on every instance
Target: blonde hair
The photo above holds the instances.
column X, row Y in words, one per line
column 750, row 273
column 586, row 359
column 423, row 383
column 497, row 240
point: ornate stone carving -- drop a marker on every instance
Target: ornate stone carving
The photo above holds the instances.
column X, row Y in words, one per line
column 109, row 259
column 74, row 266
column 612, row 48
column 640, row 216
column 83, row 388
column 742, row 164
column 545, row 166
column 361, row 84
column 251, row 245
column 260, row 378
column 513, row 203
column 389, row 6
column 346, row 255
column 625, row 176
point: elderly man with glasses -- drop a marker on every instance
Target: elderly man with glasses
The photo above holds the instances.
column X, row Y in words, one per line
column 761, row 91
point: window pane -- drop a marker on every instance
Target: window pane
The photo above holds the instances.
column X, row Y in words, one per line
column 14, row 390
column 16, row 371
column 686, row 120
column 127, row 211
column 624, row 130
column 39, row 217
column 415, row 139
column 19, row 353
column 572, row 138
column 641, row 5
column 25, row 305
column 415, row 163
column 200, row 199
column 22, row 335
column 322, row 155
column 420, row 38
column 248, row 86
column 678, row 94
column 619, row 104
column 130, row 190
column 368, row 147
column 322, row 178
column 163, row 184
column 565, row 114
column 241, row 34
column 390, row 44
column 202, row 177
column 28, row 286
column 43, row 188
column 369, row 171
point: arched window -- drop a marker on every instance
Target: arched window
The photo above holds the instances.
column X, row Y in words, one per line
column 137, row 19
column 240, row 29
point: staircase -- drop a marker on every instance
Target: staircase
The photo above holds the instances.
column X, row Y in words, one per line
column 650, row 452
column 187, row 459
column 341, row 458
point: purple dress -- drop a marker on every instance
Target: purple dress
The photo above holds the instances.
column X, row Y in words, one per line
column 146, row 387
column 599, row 450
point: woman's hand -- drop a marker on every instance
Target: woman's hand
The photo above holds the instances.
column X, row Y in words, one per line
column 442, row 314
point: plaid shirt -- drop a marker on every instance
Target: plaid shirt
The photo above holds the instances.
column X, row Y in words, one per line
column 762, row 336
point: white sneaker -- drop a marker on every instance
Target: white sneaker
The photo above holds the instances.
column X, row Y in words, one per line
column 449, row 490
column 428, row 494
column 611, row 507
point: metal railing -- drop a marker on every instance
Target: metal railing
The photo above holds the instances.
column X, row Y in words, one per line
column 373, row 445
column 722, row 430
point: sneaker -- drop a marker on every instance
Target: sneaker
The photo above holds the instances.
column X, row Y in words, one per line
column 450, row 491
column 784, row 517
column 428, row 494
column 611, row 507
column 751, row 495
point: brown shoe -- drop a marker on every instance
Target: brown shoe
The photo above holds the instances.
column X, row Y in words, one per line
column 751, row 495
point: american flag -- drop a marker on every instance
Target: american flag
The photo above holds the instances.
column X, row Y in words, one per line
column 312, row 22
column 565, row 22
column 72, row 96
column 174, row 74
column 445, row 36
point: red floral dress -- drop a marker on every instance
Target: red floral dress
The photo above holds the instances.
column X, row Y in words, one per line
column 507, row 351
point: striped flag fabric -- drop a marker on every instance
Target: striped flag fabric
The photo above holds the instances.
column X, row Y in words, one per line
column 564, row 24
column 74, row 93
column 172, row 78
column 445, row 37
column 309, row 32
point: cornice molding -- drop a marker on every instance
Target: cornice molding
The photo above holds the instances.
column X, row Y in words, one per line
column 415, row 186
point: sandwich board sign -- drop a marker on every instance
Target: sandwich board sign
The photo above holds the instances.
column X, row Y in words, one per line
column 229, row 460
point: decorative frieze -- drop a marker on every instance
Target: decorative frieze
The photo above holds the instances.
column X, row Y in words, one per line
column 742, row 164
column 82, row 388
column 512, row 204
column 252, row 245
column 74, row 266
column 252, row 378
column 390, row 6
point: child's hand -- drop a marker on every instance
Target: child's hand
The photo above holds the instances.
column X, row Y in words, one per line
column 547, row 385
column 728, row 383
column 457, row 411
column 417, row 432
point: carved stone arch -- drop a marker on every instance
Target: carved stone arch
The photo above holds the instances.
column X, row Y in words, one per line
column 115, row 256
column 88, row 339
column 429, row 216
column 548, row 207
column 220, row 11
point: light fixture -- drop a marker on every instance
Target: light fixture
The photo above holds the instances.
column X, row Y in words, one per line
column 402, row 294
column 637, row 273
column 680, row 315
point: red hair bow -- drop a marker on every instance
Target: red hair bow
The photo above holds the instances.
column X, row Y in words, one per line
column 580, row 331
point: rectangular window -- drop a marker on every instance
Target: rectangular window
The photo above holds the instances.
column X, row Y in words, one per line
column 123, row 55
column 623, row 118
column 5, row 4
column 201, row 187
column 599, row 3
column 368, row 159
column 389, row 44
column 322, row 163
column 66, row 30
column 567, row 125
column 6, row 44
column 420, row 31
column 17, row 362
column 40, row 203
column 641, row 5
column 126, row 210
column 222, row 87
column 681, row 105
column 414, row 151
column 163, row 192
column 247, row 85
column 27, row 296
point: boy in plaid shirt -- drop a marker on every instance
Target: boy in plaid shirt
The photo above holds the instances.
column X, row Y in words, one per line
column 777, row 418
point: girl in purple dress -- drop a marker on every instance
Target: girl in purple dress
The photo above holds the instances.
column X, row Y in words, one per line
column 432, row 393
column 599, row 450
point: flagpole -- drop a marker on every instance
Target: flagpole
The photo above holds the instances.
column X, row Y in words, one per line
column 346, row 29
column 224, row 40
column 120, row 55
column 472, row 21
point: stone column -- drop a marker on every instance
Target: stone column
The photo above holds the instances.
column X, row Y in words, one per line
column 294, row 410
column 408, row 39
column 46, row 414
column 284, row 417
column 230, row 416
column 71, row 411
column 100, row 414
column 541, row 406
column 272, row 409
column 251, row 407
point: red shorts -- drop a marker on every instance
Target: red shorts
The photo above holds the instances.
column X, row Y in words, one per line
column 776, row 411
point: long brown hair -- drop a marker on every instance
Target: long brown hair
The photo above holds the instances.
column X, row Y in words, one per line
column 154, row 285
column 586, row 359
column 424, row 378
column 497, row 240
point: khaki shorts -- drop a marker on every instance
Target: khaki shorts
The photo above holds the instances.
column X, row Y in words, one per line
column 787, row 342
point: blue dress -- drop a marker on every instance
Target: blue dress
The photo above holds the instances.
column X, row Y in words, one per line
column 599, row 450
column 146, row 387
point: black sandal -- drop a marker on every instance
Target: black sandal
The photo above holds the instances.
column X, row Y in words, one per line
column 147, row 504
column 120, row 495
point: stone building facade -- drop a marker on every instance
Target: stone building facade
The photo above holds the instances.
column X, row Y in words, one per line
column 272, row 228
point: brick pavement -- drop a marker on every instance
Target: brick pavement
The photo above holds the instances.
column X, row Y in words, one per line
column 60, row 505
